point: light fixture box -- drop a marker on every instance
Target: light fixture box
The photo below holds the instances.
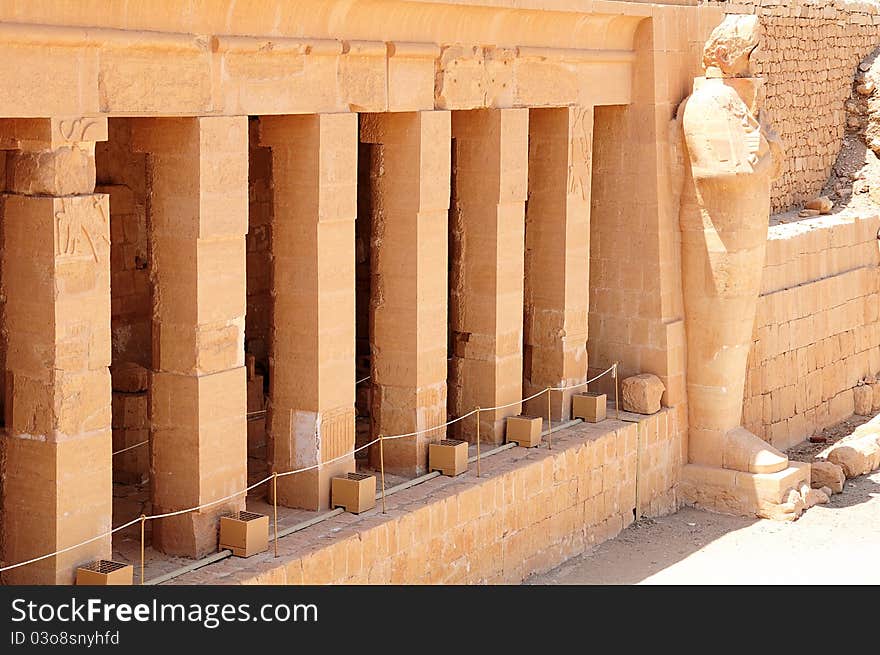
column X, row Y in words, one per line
column 105, row 572
column 450, row 457
column 354, row 492
column 589, row 406
column 524, row 430
column 244, row 533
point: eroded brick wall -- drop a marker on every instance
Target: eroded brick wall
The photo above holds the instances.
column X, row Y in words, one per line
column 816, row 332
column 809, row 57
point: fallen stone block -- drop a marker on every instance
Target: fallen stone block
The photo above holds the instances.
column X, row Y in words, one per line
column 856, row 456
column 641, row 393
column 822, row 204
column 828, row 475
column 813, row 497
column 789, row 510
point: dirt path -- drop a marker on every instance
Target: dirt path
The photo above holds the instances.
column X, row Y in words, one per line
column 837, row 543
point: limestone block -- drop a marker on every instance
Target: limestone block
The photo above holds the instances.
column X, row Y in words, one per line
column 875, row 389
column 789, row 510
column 815, row 497
column 863, row 398
column 822, row 204
column 856, row 456
column 827, row 475
column 61, row 172
column 641, row 393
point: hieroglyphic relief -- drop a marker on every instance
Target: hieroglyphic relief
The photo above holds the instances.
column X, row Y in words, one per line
column 82, row 229
column 580, row 159
column 75, row 130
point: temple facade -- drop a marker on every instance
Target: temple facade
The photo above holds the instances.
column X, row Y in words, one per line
column 273, row 231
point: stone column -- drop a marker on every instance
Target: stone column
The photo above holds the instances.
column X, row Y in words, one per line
column 557, row 275
column 198, row 169
column 311, row 408
column 408, row 295
column 56, row 453
column 486, row 301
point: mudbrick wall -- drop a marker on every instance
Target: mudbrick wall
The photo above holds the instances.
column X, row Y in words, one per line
column 809, row 56
column 817, row 332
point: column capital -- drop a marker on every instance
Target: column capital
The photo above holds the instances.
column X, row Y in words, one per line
column 36, row 134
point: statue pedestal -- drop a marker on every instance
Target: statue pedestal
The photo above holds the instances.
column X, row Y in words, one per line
column 744, row 494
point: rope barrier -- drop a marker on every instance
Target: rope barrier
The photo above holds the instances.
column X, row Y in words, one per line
column 142, row 519
column 137, row 445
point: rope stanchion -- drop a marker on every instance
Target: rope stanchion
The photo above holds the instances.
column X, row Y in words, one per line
column 549, row 421
column 638, row 458
column 382, row 468
column 275, row 505
column 478, row 442
column 143, row 519
column 143, row 524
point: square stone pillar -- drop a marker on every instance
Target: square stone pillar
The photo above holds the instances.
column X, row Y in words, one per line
column 312, row 340
column 198, row 212
column 409, row 269
column 56, row 450
column 486, row 299
column 557, row 274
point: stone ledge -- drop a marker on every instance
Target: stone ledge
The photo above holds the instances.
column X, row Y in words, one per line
column 531, row 510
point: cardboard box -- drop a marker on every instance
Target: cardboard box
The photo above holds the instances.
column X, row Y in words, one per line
column 590, row 406
column 524, row 430
column 105, row 572
column 355, row 492
column 449, row 457
column 244, row 533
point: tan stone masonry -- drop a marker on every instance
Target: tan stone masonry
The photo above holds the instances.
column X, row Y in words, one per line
column 533, row 509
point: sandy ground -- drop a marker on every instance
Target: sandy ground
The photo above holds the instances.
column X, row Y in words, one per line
column 837, row 543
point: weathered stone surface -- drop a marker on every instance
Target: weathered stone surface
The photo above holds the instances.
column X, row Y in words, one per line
column 856, row 456
column 721, row 285
column 641, row 393
column 863, row 400
column 813, row 497
column 789, row 510
column 821, row 204
column 828, row 475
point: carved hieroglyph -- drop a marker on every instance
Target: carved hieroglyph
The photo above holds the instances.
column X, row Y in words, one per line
column 733, row 156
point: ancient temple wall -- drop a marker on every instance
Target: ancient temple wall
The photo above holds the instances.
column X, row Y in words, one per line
column 817, row 333
column 809, row 57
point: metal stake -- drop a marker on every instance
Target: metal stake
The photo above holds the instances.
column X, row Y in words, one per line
column 382, row 468
column 616, row 401
column 143, row 523
column 275, row 504
column 478, row 442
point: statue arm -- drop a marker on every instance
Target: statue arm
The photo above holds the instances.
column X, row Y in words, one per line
column 719, row 147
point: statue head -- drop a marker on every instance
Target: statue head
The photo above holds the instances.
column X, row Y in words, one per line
column 729, row 48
